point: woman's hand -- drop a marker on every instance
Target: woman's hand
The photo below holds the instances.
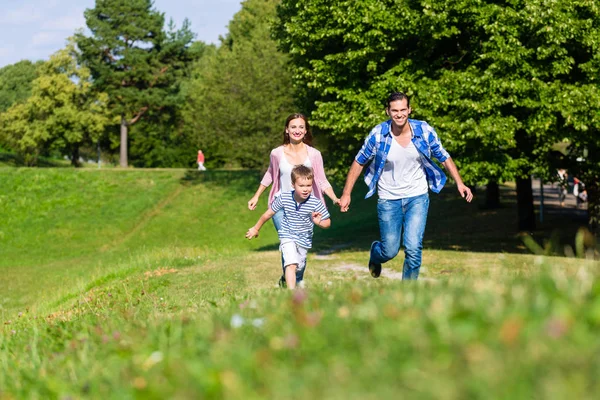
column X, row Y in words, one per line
column 252, row 203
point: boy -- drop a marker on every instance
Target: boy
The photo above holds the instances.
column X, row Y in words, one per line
column 300, row 212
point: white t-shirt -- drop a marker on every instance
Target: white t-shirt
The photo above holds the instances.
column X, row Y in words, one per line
column 285, row 174
column 403, row 173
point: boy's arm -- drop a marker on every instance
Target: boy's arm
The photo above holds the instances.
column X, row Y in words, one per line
column 253, row 232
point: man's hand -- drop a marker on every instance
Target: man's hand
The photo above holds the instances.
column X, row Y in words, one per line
column 465, row 192
column 252, row 233
column 345, row 202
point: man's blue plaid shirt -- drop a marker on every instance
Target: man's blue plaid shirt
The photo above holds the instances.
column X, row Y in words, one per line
column 377, row 146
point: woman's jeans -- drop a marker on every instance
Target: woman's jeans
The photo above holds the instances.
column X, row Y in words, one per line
column 395, row 216
column 277, row 218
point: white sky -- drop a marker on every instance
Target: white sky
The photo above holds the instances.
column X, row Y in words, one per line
column 34, row 29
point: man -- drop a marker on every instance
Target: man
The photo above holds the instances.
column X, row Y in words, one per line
column 400, row 151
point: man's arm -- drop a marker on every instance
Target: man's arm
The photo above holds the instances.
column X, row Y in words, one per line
column 464, row 191
column 355, row 171
column 253, row 232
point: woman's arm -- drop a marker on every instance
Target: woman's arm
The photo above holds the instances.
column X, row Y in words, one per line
column 254, row 200
column 321, row 179
column 266, row 180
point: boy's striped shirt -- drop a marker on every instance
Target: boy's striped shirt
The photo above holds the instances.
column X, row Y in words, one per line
column 297, row 221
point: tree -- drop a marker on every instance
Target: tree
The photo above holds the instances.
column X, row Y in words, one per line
column 481, row 72
column 240, row 93
column 134, row 60
column 62, row 113
column 15, row 82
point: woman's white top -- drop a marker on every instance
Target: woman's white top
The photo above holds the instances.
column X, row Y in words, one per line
column 285, row 174
column 403, row 173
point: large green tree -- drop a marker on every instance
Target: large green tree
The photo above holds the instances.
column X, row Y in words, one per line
column 241, row 92
column 62, row 114
column 15, row 82
column 480, row 71
column 135, row 60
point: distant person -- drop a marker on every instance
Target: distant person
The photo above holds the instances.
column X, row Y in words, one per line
column 401, row 170
column 562, row 185
column 201, row 166
column 579, row 192
column 295, row 150
column 301, row 210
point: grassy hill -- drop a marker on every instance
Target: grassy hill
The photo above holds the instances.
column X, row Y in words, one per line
column 139, row 284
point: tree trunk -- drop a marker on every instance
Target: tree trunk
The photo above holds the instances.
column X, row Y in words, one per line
column 593, row 192
column 75, row 156
column 123, row 154
column 525, row 210
column 492, row 195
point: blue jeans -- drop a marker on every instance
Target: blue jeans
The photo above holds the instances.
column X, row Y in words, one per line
column 277, row 218
column 395, row 216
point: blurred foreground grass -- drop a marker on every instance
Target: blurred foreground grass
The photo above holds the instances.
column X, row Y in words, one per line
column 139, row 284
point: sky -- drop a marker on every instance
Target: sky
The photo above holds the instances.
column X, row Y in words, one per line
column 34, row 29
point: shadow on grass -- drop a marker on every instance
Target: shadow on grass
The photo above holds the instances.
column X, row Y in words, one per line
column 453, row 224
column 15, row 160
column 243, row 180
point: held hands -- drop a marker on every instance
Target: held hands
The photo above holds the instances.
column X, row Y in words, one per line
column 252, row 233
column 344, row 203
column 465, row 192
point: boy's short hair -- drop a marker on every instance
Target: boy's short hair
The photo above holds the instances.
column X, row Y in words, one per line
column 302, row 171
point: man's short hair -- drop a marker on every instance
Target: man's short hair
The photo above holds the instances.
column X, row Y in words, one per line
column 302, row 171
column 395, row 97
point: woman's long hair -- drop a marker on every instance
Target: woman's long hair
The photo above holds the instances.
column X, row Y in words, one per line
column 307, row 138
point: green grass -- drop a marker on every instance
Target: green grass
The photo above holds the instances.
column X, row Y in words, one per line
column 139, row 284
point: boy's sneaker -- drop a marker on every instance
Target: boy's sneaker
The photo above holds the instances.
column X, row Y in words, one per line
column 301, row 285
column 282, row 283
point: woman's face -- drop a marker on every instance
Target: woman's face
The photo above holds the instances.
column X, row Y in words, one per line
column 296, row 129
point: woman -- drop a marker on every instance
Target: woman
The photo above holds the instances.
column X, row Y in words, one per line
column 295, row 150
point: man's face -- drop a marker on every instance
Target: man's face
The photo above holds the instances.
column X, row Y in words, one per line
column 303, row 187
column 399, row 112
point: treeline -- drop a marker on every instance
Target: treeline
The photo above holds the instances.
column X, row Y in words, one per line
column 143, row 92
column 511, row 86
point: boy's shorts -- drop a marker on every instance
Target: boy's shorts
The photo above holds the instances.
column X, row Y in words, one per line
column 293, row 254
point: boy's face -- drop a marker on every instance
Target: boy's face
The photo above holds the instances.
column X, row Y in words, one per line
column 303, row 188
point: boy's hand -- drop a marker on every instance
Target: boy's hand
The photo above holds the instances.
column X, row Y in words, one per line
column 316, row 218
column 252, row 233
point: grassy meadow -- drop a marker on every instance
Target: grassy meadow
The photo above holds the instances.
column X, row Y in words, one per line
column 131, row 284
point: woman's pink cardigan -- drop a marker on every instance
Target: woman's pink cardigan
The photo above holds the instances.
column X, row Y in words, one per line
column 320, row 183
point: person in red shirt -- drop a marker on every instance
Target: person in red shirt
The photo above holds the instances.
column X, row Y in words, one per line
column 201, row 166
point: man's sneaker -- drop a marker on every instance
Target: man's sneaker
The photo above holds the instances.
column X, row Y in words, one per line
column 374, row 269
column 282, row 283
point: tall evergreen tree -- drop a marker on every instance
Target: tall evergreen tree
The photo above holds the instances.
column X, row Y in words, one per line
column 241, row 93
column 133, row 59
